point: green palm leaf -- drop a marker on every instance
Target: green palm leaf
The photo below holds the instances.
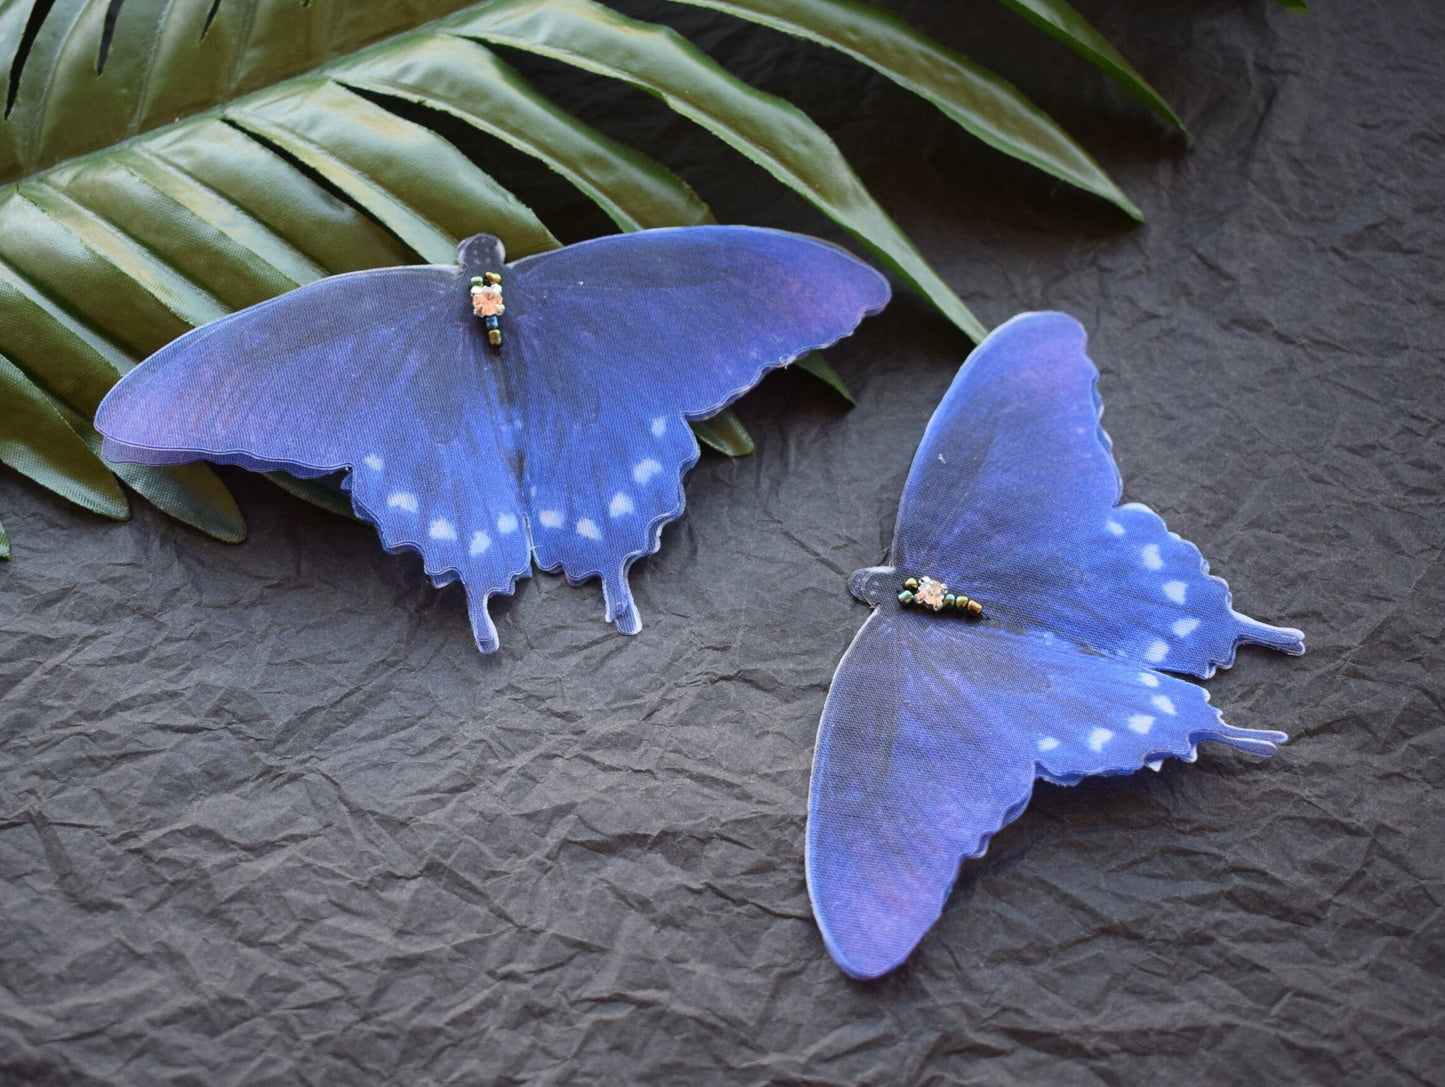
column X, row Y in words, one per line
column 978, row 100
column 36, row 441
column 1059, row 19
column 773, row 133
column 164, row 162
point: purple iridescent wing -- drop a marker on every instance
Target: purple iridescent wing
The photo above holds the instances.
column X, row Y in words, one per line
column 380, row 373
column 1012, row 499
column 936, row 727
column 931, row 738
column 641, row 333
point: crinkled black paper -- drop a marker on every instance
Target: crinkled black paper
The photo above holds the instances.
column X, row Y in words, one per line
column 266, row 816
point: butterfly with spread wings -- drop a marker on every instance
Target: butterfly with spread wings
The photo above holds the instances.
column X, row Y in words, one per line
column 551, row 429
column 944, row 712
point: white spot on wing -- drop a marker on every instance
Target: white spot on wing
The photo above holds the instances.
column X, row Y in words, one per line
column 1157, row 651
column 1155, row 764
column 1149, row 556
column 620, row 506
column 374, row 462
column 1175, row 591
column 1185, row 627
column 506, row 522
column 1114, row 526
column 480, row 542
column 1140, row 723
column 1149, row 679
column 659, row 426
column 588, row 527
column 1098, row 738
column 401, row 500
column 1048, row 743
column 1163, row 703
column 644, row 470
column 442, row 529
column 550, row 518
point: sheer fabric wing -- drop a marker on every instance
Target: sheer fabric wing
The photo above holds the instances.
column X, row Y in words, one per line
column 376, row 372
column 931, row 738
column 623, row 339
column 1012, row 498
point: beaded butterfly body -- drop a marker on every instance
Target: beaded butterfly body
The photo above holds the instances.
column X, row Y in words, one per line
column 939, row 719
column 489, row 436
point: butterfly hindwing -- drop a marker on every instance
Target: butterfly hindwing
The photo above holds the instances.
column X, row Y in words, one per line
column 1013, row 496
column 379, row 373
column 930, row 741
column 643, row 332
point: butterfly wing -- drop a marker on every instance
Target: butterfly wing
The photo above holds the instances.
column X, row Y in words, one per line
column 381, row 373
column 620, row 340
column 931, row 738
column 1012, row 498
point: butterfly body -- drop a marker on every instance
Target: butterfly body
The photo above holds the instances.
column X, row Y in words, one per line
column 562, row 443
column 929, row 592
column 487, row 304
column 934, row 732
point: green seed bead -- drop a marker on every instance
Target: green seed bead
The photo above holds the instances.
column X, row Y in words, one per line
column 911, row 583
column 950, row 601
column 905, row 597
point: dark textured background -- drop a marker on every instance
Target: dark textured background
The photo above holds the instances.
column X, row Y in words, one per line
column 266, row 817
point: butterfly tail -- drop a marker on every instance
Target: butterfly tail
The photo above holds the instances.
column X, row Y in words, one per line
column 1285, row 639
column 1257, row 741
column 621, row 610
column 483, row 629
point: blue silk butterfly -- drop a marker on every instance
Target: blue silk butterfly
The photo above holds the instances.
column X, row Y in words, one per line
column 493, row 415
column 1023, row 629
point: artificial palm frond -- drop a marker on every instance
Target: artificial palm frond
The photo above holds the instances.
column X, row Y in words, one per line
column 164, row 162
